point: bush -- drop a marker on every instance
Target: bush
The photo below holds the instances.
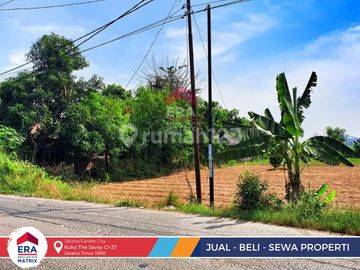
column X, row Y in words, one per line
column 232, row 163
column 21, row 178
column 313, row 203
column 129, row 203
column 251, row 194
column 10, row 140
column 172, row 200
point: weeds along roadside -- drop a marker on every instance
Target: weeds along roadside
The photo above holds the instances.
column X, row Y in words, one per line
column 252, row 203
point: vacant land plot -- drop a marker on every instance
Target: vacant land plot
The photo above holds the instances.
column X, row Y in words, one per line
column 346, row 181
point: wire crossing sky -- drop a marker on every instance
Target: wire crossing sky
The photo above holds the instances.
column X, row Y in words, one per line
column 252, row 43
column 49, row 6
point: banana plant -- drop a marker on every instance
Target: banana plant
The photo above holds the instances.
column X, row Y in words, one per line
column 357, row 147
column 264, row 134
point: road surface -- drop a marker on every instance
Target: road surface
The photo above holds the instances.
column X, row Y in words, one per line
column 55, row 218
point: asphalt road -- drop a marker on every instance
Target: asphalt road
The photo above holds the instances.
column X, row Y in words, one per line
column 54, row 218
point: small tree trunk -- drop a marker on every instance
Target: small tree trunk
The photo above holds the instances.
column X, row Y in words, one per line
column 106, row 159
column 35, row 149
column 294, row 187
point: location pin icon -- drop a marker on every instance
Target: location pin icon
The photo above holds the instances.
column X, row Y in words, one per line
column 58, row 245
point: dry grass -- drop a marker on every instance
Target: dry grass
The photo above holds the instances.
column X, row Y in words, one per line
column 346, row 181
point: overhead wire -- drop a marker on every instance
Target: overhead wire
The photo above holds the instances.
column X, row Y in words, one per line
column 50, row 6
column 92, row 33
column 7, row 2
column 176, row 2
column 209, row 3
column 135, row 32
column 97, row 31
column 157, row 24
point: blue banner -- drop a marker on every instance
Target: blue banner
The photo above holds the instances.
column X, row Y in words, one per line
column 269, row 247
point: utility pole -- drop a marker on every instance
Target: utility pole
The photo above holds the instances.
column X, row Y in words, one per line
column 196, row 137
column 210, row 117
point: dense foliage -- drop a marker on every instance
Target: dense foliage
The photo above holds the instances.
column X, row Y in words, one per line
column 265, row 134
column 10, row 140
column 98, row 128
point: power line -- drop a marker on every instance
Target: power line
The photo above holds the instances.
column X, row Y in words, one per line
column 49, row 6
column 152, row 44
column 97, row 31
column 220, row 6
column 93, row 32
column 135, row 32
column 7, row 2
column 209, row 3
column 213, row 73
column 157, row 24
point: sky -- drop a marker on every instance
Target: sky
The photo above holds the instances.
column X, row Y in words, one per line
column 252, row 43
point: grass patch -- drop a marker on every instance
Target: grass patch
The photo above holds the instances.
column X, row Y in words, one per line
column 232, row 163
column 355, row 161
column 22, row 178
column 343, row 221
column 129, row 203
column 25, row 179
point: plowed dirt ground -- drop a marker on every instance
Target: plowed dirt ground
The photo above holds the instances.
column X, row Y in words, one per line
column 346, row 182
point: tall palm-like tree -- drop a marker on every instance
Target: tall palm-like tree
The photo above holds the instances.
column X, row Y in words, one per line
column 265, row 134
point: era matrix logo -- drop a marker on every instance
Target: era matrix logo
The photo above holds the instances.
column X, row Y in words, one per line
column 27, row 247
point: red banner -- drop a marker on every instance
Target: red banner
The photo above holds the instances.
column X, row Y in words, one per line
column 99, row 247
column 3, row 247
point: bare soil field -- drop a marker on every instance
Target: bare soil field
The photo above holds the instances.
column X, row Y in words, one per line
column 346, row 182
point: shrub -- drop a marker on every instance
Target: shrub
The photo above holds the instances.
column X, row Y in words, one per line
column 129, row 203
column 172, row 200
column 313, row 203
column 10, row 140
column 251, row 194
column 191, row 199
column 231, row 163
column 18, row 177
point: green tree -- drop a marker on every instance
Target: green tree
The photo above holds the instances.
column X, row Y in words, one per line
column 56, row 55
column 164, row 136
column 34, row 102
column 265, row 133
column 97, row 126
column 117, row 91
column 336, row 133
column 10, row 140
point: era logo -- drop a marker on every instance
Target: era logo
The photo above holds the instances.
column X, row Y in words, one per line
column 27, row 247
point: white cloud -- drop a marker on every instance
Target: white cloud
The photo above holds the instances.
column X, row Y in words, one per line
column 176, row 32
column 336, row 100
column 240, row 32
column 17, row 58
column 225, row 42
column 38, row 29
